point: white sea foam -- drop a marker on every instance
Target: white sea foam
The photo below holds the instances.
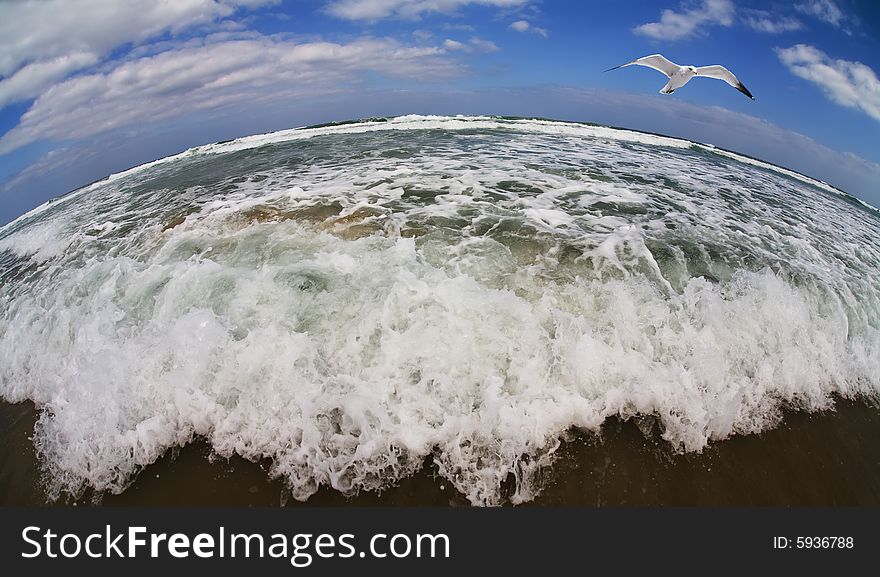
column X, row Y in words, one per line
column 41, row 241
column 469, row 299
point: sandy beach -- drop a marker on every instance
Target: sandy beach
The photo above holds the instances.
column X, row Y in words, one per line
column 815, row 460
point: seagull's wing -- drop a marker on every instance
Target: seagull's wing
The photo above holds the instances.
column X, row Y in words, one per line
column 722, row 73
column 655, row 61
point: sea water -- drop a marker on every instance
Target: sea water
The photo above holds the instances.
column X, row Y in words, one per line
column 348, row 301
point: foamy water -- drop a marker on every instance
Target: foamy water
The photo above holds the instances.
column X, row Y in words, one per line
column 348, row 301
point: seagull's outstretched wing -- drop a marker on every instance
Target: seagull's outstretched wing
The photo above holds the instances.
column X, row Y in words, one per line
column 655, row 61
column 722, row 73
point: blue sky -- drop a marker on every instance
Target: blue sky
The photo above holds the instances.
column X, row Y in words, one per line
column 91, row 87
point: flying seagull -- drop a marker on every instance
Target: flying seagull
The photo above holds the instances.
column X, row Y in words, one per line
column 680, row 75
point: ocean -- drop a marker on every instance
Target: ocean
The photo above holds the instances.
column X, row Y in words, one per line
column 472, row 310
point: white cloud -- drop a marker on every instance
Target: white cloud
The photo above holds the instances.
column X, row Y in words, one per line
column 526, row 26
column 41, row 42
column 484, row 45
column 763, row 21
column 475, row 44
column 847, row 83
column 199, row 77
column 453, row 45
column 825, row 10
column 30, row 80
column 372, row 10
column 689, row 21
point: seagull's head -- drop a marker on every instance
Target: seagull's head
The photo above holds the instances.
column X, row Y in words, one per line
column 693, row 69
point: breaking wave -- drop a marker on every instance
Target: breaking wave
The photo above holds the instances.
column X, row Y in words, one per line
column 347, row 301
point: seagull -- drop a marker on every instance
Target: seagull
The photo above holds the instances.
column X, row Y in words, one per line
column 680, row 75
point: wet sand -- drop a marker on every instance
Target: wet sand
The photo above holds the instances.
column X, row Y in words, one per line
column 821, row 459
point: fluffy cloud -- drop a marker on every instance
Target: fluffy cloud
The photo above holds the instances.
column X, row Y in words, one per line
column 449, row 44
column 689, row 21
column 763, row 21
column 847, row 83
column 825, row 10
column 526, row 26
column 29, row 81
column 484, row 45
column 42, row 42
column 372, row 10
column 207, row 76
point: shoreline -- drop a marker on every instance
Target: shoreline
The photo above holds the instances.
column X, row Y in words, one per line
column 823, row 459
